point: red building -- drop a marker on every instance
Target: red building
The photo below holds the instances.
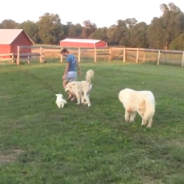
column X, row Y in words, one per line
column 11, row 38
column 82, row 43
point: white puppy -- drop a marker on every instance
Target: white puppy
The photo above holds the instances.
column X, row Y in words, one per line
column 142, row 102
column 60, row 101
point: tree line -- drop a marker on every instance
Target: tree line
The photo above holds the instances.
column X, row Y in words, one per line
column 165, row 32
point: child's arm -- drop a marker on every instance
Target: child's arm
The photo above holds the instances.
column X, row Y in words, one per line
column 66, row 70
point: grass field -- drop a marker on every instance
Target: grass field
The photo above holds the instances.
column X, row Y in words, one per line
column 41, row 144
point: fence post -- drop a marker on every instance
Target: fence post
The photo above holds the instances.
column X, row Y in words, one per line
column 12, row 58
column 182, row 62
column 61, row 56
column 158, row 58
column 110, row 53
column 18, row 55
column 43, row 57
column 144, row 55
column 124, row 54
column 41, row 54
column 95, row 55
column 28, row 61
column 137, row 55
column 79, row 54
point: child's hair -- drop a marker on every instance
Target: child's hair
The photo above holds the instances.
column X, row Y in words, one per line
column 64, row 51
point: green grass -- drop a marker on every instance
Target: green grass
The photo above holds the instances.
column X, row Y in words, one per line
column 42, row 144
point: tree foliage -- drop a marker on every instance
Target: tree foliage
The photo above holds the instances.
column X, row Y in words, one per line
column 31, row 29
column 50, row 28
column 9, row 24
column 166, row 31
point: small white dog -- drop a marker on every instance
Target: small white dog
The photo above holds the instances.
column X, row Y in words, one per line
column 142, row 102
column 60, row 101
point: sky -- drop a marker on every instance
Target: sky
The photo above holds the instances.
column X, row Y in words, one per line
column 101, row 12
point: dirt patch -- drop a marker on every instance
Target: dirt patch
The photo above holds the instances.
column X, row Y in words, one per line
column 7, row 158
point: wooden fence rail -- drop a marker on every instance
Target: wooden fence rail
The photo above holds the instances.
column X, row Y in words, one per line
column 7, row 57
column 136, row 55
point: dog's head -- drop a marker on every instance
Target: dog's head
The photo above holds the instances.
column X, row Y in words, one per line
column 69, row 87
column 59, row 95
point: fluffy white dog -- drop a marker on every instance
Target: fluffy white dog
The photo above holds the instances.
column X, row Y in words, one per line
column 81, row 89
column 142, row 102
column 60, row 101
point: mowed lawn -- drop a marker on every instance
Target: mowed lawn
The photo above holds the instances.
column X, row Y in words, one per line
column 41, row 144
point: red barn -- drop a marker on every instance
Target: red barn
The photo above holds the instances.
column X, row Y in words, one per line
column 82, row 43
column 11, row 38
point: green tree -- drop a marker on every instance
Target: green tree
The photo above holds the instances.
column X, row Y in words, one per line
column 131, row 22
column 122, row 33
column 9, row 24
column 162, row 31
column 31, row 28
column 111, row 31
column 50, row 30
column 78, row 30
column 72, row 30
column 100, row 33
column 157, row 35
column 177, row 43
column 138, row 35
column 88, row 28
column 172, row 21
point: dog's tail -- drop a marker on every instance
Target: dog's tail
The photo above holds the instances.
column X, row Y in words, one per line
column 89, row 75
column 150, row 105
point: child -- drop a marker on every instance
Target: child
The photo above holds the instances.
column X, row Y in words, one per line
column 70, row 73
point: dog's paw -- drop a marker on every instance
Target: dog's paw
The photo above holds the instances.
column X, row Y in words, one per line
column 143, row 123
column 148, row 126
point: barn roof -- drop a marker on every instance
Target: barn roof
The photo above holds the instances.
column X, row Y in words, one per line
column 7, row 36
column 80, row 40
column 82, row 43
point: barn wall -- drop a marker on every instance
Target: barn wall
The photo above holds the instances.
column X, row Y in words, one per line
column 22, row 39
column 5, row 49
column 101, row 44
column 83, row 44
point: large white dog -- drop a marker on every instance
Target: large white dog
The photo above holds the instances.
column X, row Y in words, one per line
column 81, row 89
column 142, row 102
